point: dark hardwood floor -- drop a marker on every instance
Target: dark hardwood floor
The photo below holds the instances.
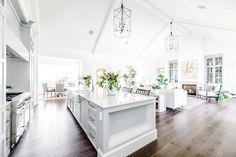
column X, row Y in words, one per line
column 53, row 132
column 200, row 129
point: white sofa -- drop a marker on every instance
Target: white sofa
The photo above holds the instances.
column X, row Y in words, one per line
column 174, row 98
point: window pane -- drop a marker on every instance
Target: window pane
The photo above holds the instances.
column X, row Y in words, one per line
column 220, row 60
column 171, row 65
column 216, row 61
column 220, row 80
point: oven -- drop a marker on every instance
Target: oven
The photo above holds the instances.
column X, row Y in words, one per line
column 20, row 115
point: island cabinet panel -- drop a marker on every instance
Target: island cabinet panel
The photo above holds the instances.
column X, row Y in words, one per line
column 116, row 125
column 77, row 109
column 84, row 115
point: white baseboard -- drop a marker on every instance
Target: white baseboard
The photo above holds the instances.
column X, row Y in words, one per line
column 131, row 146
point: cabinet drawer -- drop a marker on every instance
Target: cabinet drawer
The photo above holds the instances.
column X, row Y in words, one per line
column 92, row 107
column 92, row 118
column 92, row 136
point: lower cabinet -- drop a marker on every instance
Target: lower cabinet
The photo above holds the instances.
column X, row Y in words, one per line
column 86, row 115
column 77, row 111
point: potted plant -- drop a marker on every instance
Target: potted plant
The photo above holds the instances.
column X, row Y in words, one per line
column 129, row 76
column 109, row 81
column 85, row 80
column 225, row 95
column 162, row 82
column 112, row 82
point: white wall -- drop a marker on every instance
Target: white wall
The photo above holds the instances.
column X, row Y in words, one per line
column 18, row 75
column 193, row 47
column 225, row 44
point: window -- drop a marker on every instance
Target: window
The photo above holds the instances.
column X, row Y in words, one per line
column 214, row 69
column 53, row 69
column 173, row 71
column 161, row 71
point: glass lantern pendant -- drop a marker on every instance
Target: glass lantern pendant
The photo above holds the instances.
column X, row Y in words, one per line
column 172, row 41
column 122, row 21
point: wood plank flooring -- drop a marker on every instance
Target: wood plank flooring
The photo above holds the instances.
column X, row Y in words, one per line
column 200, row 129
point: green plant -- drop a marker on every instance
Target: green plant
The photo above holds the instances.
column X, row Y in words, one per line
column 129, row 76
column 161, row 81
column 112, row 80
column 9, row 87
column 225, row 95
column 85, row 80
column 109, row 80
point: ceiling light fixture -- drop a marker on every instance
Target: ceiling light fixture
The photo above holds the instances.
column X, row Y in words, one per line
column 122, row 21
column 91, row 32
column 172, row 41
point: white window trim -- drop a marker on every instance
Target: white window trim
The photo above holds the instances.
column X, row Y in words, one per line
column 205, row 67
column 176, row 80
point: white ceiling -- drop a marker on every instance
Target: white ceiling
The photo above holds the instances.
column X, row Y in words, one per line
column 65, row 24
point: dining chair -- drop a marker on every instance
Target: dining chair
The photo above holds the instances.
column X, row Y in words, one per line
column 126, row 89
column 46, row 90
column 59, row 90
column 143, row 91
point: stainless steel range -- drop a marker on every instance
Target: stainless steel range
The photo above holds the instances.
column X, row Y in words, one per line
column 20, row 114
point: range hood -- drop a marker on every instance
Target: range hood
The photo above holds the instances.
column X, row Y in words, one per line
column 15, row 47
column 22, row 9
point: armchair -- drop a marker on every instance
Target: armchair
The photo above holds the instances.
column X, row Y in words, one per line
column 210, row 91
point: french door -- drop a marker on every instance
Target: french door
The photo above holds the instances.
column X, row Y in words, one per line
column 2, row 79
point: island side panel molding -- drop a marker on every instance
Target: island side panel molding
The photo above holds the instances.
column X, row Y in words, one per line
column 131, row 146
column 124, row 124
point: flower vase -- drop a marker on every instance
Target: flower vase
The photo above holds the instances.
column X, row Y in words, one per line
column 111, row 92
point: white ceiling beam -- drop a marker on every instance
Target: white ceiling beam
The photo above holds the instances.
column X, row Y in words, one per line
column 161, row 14
column 153, row 39
column 108, row 13
column 205, row 26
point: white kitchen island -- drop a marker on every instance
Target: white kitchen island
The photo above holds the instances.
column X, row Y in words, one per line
column 116, row 125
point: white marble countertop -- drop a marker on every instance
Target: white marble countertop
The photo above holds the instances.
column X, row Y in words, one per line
column 121, row 98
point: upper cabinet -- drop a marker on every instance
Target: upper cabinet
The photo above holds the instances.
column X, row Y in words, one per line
column 2, row 3
column 1, row 34
column 18, row 29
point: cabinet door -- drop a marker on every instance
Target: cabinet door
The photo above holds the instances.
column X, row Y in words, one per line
column 84, row 114
column 77, row 111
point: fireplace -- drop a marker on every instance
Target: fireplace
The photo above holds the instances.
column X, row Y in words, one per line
column 190, row 88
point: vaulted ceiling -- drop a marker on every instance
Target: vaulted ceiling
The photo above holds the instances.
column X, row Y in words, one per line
column 64, row 25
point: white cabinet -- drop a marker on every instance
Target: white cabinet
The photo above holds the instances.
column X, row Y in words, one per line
column 77, row 108
column 116, row 126
column 174, row 98
column 84, row 114
column 74, row 105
